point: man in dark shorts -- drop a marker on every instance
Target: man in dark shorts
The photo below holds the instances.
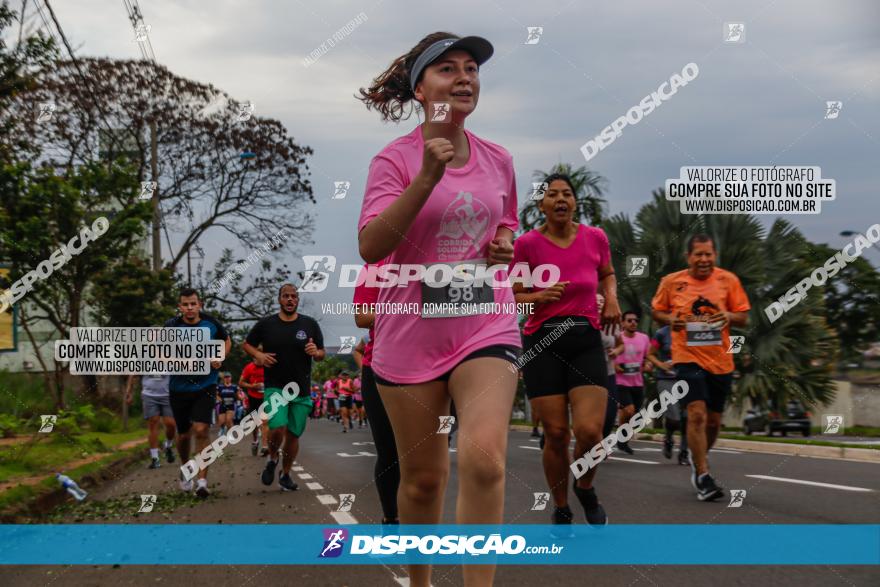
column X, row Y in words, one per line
column 700, row 304
column 675, row 418
column 289, row 341
column 192, row 396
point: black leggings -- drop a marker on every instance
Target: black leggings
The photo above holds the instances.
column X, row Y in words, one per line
column 387, row 470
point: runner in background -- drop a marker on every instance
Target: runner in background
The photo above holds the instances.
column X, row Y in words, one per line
column 157, row 411
column 570, row 370
column 613, row 346
column 331, row 402
column 345, row 389
column 441, row 194
column 227, row 392
column 358, row 399
column 675, row 418
column 700, row 304
column 316, row 401
column 386, row 472
column 252, row 381
column 629, row 365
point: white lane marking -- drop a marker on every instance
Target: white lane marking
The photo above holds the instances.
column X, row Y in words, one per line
column 633, row 461
column 314, row 486
column 343, row 518
column 726, row 451
column 326, row 499
column 646, row 449
column 813, row 483
column 531, row 447
column 305, row 476
column 297, row 469
column 359, row 454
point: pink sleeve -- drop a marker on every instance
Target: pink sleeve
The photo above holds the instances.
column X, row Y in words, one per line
column 509, row 218
column 385, row 183
column 520, row 252
column 363, row 294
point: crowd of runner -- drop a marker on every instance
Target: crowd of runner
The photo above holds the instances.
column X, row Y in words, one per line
column 442, row 195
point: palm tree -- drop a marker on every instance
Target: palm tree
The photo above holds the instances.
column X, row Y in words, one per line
column 588, row 190
column 790, row 358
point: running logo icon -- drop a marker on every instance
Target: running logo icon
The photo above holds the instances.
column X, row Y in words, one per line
column 833, row 424
column 346, row 344
column 334, row 542
column 47, row 109
column 317, row 273
column 538, row 190
column 147, row 189
column 340, row 189
column 534, row 34
column 346, row 500
column 737, row 497
column 832, row 109
column 734, row 32
column 147, row 504
column 736, row 344
column 636, row 266
column 465, row 216
column 141, row 31
column 446, row 423
column 541, row 501
column 47, row 423
column 440, row 111
column 245, row 111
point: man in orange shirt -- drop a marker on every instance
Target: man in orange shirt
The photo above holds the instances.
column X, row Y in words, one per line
column 700, row 304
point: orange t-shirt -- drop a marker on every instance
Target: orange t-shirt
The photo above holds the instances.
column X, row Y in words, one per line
column 691, row 298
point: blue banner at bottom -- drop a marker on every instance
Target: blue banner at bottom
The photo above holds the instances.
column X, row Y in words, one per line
column 516, row 544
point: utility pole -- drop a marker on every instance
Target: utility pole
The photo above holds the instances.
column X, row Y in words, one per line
column 157, row 220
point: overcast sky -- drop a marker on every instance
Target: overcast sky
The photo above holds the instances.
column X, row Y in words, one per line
column 754, row 103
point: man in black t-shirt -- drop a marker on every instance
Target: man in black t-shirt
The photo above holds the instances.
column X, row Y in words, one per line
column 289, row 341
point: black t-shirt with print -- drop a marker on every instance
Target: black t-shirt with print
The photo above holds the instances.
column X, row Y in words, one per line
column 288, row 341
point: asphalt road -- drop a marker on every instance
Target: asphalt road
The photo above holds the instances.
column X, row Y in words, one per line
column 641, row 489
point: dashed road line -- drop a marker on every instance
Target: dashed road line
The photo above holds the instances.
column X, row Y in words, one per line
column 812, row 483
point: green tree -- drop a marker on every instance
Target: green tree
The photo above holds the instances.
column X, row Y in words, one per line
column 589, row 187
column 852, row 301
column 329, row 367
column 790, row 358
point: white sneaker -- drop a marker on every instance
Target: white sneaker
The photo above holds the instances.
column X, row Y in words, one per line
column 184, row 484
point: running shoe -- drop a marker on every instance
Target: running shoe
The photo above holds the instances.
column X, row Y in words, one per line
column 264, row 451
column 185, row 485
column 667, row 448
column 541, row 442
column 286, row 482
column 535, row 433
column 202, row 490
column 562, row 516
column 169, row 454
column 255, row 446
column 683, row 458
column 268, row 473
column 625, row 447
column 707, row 489
column 593, row 510
column 154, row 463
column 344, row 430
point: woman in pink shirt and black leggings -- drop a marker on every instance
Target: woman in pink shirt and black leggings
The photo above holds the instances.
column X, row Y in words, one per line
column 563, row 343
column 437, row 196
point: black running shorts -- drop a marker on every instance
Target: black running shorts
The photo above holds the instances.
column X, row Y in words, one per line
column 192, row 406
column 499, row 351
column 704, row 386
column 574, row 358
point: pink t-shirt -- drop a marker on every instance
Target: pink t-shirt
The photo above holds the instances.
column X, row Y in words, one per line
column 635, row 351
column 579, row 264
column 357, row 386
column 329, row 389
column 366, row 295
column 456, row 224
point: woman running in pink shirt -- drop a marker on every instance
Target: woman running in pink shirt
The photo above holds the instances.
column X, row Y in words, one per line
column 563, row 341
column 441, row 195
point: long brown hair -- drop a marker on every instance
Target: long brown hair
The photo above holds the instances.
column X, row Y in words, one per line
column 391, row 91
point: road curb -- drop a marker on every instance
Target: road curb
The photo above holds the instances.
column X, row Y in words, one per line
column 867, row 455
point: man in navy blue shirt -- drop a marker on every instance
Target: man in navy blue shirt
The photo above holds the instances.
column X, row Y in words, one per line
column 192, row 396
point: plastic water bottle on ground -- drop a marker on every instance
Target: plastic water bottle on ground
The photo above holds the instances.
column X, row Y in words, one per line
column 71, row 487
